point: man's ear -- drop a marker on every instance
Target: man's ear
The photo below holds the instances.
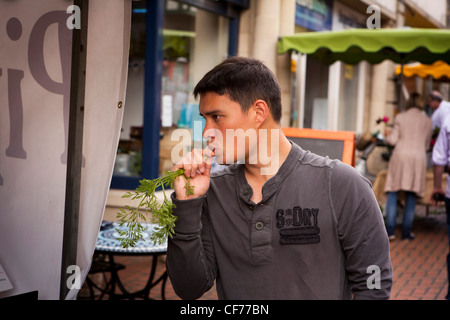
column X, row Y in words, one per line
column 261, row 111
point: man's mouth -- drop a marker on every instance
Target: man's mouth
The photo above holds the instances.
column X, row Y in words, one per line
column 209, row 151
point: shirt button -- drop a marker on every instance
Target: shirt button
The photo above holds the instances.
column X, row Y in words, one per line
column 247, row 191
column 259, row 226
column 251, row 207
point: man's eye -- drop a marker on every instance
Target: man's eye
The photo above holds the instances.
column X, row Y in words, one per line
column 216, row 117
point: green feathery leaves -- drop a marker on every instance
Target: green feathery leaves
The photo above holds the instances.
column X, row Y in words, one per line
column 160, row 213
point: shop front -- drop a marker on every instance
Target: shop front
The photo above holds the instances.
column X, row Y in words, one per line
column 328, row 97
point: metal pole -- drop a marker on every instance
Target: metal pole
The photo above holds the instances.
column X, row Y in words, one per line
column 152, row 88
column 401, row 90
column 75, row 146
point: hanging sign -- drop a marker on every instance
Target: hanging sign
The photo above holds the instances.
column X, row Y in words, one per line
column 314, row 15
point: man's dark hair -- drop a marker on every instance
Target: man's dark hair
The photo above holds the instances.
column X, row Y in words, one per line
column 243, row 80
column 435, row 97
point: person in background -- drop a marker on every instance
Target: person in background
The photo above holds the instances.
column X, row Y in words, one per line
column 440, row 107
column 407, row 167
column 440, row 159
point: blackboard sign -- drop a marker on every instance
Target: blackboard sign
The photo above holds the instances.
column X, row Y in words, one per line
column 334, row 144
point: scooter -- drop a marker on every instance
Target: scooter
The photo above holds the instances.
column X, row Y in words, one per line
column 367, row 146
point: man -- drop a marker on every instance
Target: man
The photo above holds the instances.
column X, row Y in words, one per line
column 278, row 223
column 440, row 109
column 440, row 158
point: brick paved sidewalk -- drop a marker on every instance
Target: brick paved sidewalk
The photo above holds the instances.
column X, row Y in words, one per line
column 420, row 271
column 420, row 267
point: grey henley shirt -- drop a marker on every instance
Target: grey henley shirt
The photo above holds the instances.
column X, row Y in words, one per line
column 318, row 233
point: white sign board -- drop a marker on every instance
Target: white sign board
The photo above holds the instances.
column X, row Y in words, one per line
column 35, row 61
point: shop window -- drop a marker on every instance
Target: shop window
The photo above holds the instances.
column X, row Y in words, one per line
column 316, row 93
column 194, row 41
column 347, row 114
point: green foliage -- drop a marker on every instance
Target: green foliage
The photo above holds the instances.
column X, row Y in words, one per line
column 160, row 213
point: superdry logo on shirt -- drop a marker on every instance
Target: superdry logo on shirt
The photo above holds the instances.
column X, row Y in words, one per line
column 298, row 225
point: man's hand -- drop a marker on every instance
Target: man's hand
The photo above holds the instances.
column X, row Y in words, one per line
column 437, row 196
column 438, row 193
column 197, row 167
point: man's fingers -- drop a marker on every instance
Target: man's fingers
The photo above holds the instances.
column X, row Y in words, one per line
column 208, row 152
column 196, row 160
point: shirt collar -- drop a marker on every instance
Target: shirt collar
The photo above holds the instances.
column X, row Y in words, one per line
column 271, row 185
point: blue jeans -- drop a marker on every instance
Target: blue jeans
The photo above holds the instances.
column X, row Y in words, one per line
column 408, row 215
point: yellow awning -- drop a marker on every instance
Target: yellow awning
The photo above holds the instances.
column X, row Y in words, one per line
column 437, row 70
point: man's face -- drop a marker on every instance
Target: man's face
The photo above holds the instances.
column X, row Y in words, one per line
column 224, row 117
column 434, row 104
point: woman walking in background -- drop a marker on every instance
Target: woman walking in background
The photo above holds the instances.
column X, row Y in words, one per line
column 407, row 168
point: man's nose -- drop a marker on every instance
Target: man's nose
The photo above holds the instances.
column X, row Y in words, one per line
column 208, row 132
